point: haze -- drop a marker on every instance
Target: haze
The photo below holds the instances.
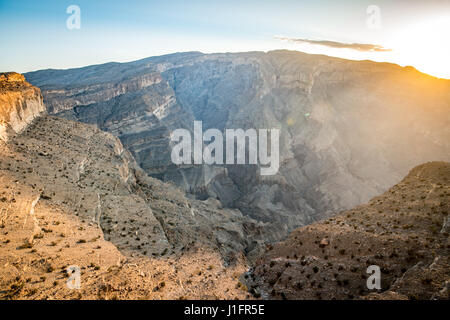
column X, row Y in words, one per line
column 35, row 35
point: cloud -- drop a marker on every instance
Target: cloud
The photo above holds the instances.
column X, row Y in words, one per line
column 365, row 47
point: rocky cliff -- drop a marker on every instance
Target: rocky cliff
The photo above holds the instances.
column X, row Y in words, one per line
column 20, row 104
column 348, row 129
column 71, row 194
column 404, row 232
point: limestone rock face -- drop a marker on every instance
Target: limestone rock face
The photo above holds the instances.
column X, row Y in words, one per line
column 348, row 129
column 20, row 104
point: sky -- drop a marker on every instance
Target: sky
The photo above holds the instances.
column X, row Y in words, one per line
column 36, row 35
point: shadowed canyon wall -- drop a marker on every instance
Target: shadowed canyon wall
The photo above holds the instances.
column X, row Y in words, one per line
column 348, row 129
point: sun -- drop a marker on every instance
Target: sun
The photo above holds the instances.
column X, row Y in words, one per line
column 424, row 45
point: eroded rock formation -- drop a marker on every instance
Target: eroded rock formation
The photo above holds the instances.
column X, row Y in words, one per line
column 348, row 129
column 20, row 104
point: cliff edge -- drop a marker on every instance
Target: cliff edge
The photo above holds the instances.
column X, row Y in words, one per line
column 20, row 104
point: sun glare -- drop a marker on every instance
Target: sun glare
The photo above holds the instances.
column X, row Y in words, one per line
column 424, row 45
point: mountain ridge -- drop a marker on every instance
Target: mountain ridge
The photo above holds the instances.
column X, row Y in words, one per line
column 183, row 53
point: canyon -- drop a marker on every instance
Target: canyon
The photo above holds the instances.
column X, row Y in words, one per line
column 71, row 194
column 349, row 130
column 87, row 179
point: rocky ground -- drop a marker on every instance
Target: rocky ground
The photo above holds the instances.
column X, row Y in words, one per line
column 68, row 197
column 404, row 231
column 70, row 194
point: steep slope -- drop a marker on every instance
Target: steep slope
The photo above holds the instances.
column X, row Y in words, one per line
column 349, row 129
column 20, row 104
column 70, row 194
column 405, row 232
